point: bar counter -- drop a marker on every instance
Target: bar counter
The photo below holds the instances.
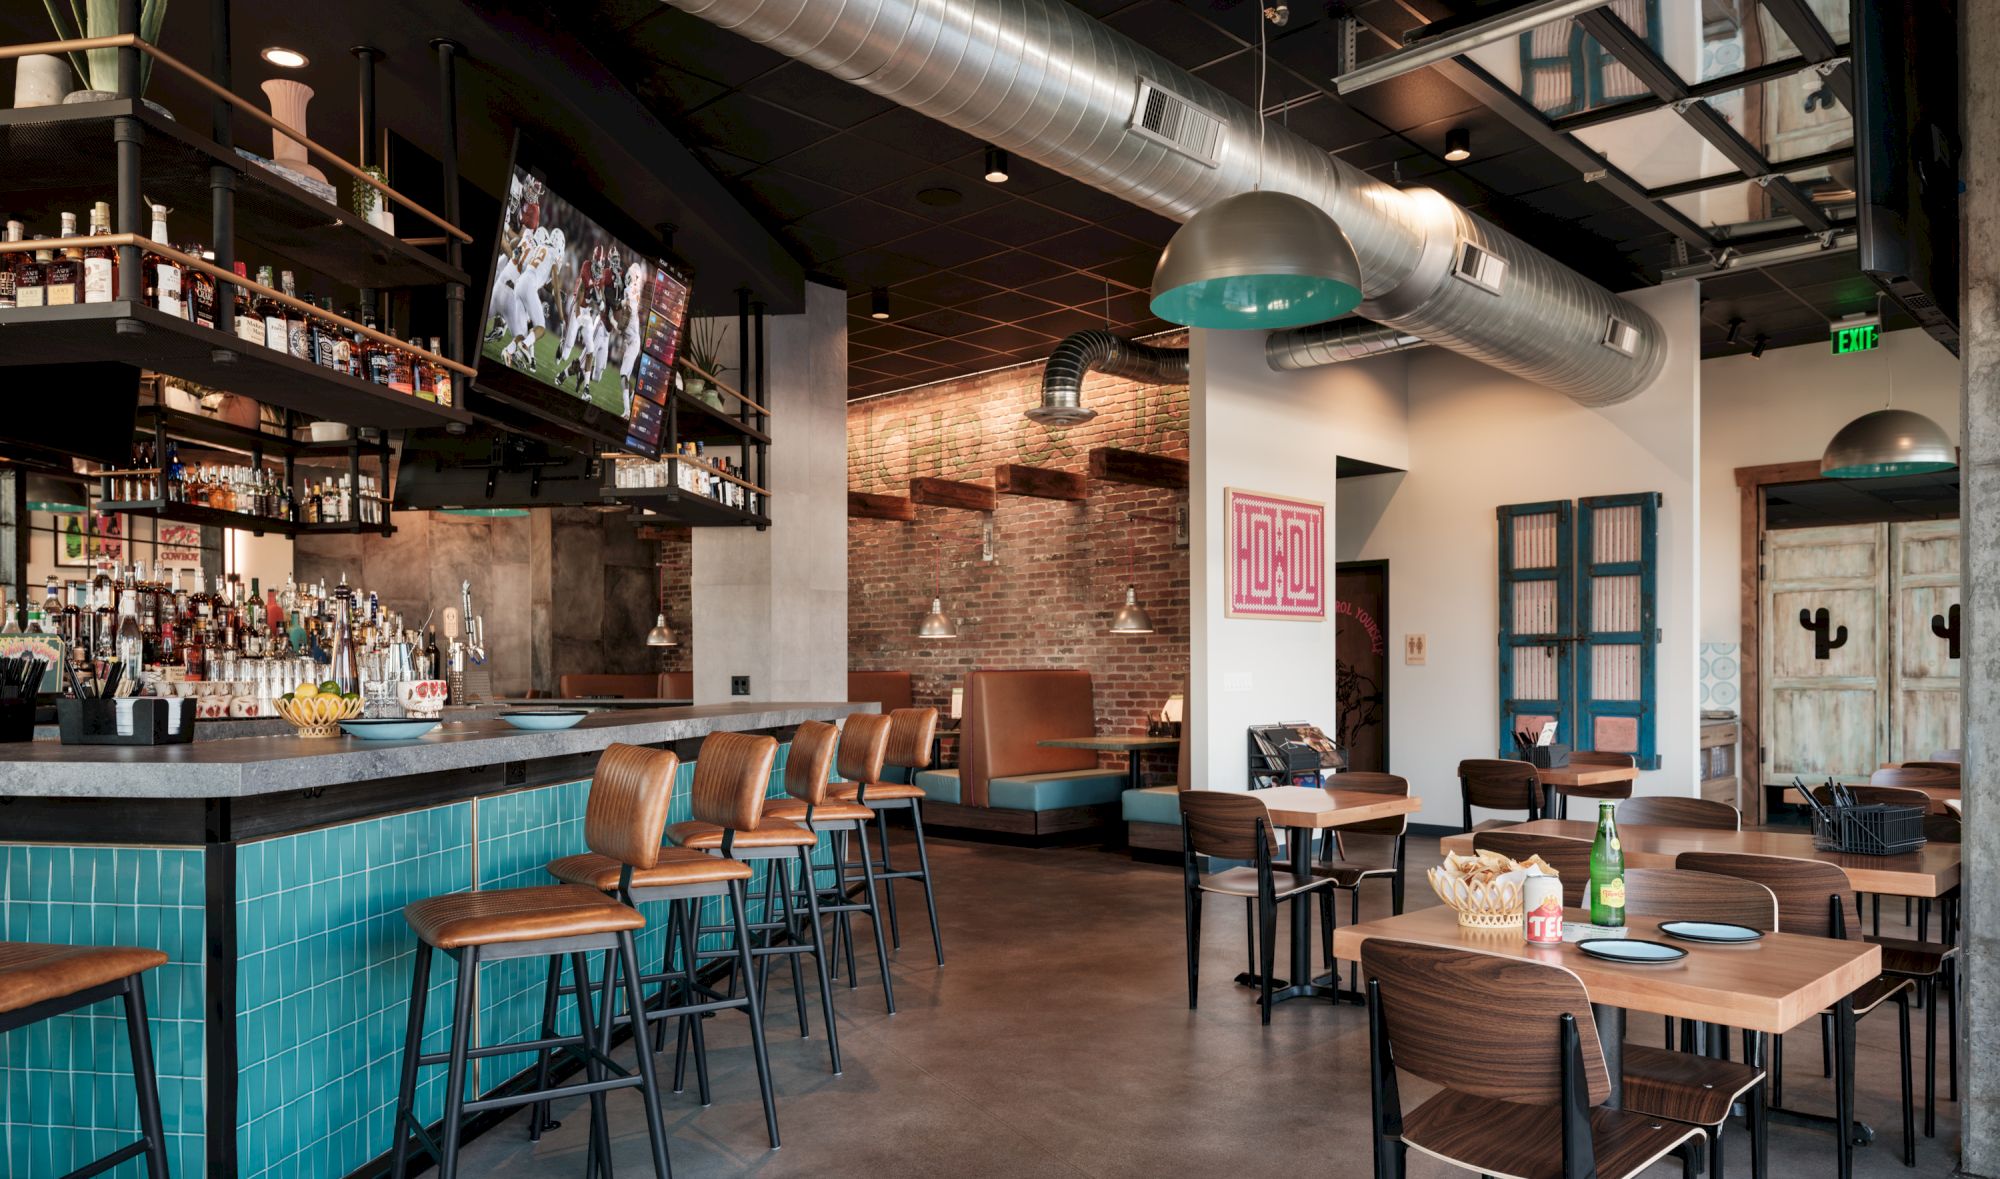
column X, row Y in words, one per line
column 272, row 870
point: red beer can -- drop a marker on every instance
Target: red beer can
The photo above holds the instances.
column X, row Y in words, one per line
column 1542, row 910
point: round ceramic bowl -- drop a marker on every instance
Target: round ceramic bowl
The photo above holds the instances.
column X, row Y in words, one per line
column 389, row 728
column 544, row 719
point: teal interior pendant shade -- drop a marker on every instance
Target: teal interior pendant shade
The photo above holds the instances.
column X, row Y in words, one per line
column 1888, row 442
column 1257, row 260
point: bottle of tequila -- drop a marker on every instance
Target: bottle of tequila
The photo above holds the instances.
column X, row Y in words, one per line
column 100, row 263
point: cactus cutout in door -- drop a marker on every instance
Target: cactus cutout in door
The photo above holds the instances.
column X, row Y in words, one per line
column 1817, row 622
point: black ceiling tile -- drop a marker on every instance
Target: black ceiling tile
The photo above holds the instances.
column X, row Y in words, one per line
column 787, row 196
column 723, row 163
column 1142, row 225
column 816, row 246
column 1081, row 200
column 1411, row 100
column 944, row 247
column 1087, row 247
column 1009, row 338
column 889, row 337
column 1104, row 8
column 950, row 352
column 1374, row 153
column 945, row 288
column 1063, row 323
column 1848, row 296
column 1014, row 269
column 851, row 163
column 1815, row 268
column 1024, row 176
column 877, row 268
column 672, row 92
column 1518, row 172
column 919, row 135
column 1017, row 222
column 1174, row 33
column 1329, row 124
column 1740, row 284
column 860, row 223
column 939, row 196
column 1131, row 307
column 1074, row 289
column 820, row 96
column 861, row 303
column 947, row 322
column 1008, row 306
column 700, row 47
column 1134, row 270
column 752, row 128
column 897, row 364
column 1153, row 326
column 1236, row 76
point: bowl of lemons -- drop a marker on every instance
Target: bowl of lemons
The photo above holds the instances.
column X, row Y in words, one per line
column 317, row 710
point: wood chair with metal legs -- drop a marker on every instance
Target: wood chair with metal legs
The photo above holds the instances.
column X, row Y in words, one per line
column 1880, row 794
column 1931, row 966
column 1524, row 1083
column 629, row 778
column 1233, row 825
column 1366, row 851
column 1569, row 857
column 859, row 746
column 1655, row 810
column 39, row 982
column 732, row 774
column 1815, row 899
column 1497, row 784
column 556, row 921
column 912, row 733
column 1603, row 792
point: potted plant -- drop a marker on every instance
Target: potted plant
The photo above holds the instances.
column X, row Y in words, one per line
column 369, row 203
column 77, row 19
column 704, row 345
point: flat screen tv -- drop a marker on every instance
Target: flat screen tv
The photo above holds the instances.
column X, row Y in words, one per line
column 1907, row 145
column 579, row 327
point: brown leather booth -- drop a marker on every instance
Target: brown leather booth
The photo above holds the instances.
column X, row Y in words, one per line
column 890, row 689
column 1006, row 780
column 666, row 685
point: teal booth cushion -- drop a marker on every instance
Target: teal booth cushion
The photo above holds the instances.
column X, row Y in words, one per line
column 1154, row 804
column 1055, row 791
column 939, row 785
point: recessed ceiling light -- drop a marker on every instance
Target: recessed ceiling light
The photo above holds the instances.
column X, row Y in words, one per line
column 996, row 165
column 286, row 59
column 878, row 303
column 1457, row 144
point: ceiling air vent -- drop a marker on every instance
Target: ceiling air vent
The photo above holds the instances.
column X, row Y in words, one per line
column 1620, row 336
column 1166, row 117
column 1480, row 268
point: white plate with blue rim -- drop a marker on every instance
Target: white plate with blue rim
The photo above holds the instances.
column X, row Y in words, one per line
column 1720, row 933
column 1631, row 950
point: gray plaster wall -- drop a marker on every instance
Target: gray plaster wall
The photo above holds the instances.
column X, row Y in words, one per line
column 772, row 605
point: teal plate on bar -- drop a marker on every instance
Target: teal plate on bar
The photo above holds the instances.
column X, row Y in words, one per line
column 544, row 719
column 388, row 728
column 1719, row 933
column 1643, row 953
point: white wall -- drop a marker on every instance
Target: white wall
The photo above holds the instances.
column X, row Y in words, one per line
column 1258, row 430
column 1785, row 407
column 1478, row 439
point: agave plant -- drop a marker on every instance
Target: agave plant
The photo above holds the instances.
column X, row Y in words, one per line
column 77, row 19
column 705, row 337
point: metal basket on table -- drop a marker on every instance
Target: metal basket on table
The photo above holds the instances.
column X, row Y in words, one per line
column 1876, row 829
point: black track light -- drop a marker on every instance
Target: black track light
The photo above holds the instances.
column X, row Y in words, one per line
column 878, row 303
column 1757, row 346
column 1458, row 144
column 996, row 165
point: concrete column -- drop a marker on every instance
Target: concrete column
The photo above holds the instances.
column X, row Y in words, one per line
column 1979, row 513
column 772, row 605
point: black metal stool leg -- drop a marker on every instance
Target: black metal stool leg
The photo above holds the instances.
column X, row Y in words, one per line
column 924, row 866
column 839, row 848
column 649, row 1091
column 1909, row 1097
column 782, row 867
column 538, row 1117
column 737, row 902
column 889, row 890
column 1930, row 1057
column 593, row 1066
column 461, row 1042
column 413, row 1047
column 874, row 920
column 145, row 1078
column 818, row 942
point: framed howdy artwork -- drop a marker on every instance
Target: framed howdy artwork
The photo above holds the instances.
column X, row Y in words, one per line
column 1276, row 548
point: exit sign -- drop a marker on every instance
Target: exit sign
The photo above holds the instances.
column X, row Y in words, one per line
column 1859, row 338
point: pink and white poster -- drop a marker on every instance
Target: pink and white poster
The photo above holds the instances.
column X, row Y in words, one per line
column 1277, row 556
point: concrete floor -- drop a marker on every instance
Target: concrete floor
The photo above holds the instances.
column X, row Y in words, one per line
column 1057, row 1041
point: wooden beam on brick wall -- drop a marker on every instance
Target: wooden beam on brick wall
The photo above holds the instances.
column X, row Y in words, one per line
column 1040, row 482
column 1133, row 466
column 949, row 493
column 863, row 505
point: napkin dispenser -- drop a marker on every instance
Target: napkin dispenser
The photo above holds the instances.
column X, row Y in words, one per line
column 1553, row 756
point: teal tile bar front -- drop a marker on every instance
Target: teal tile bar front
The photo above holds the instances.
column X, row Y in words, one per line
column 284, row 908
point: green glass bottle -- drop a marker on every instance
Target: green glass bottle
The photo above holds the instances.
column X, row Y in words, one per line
column 1607, row 871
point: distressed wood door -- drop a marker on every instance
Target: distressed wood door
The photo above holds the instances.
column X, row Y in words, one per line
column 1924, row 676
column 1825, row 717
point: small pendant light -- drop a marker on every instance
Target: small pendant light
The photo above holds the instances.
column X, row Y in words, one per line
column 662, row 635
column 1131, row 618
column 937, row 624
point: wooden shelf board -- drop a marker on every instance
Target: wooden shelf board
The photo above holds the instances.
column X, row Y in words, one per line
column 864, row 505
column 1113, row 465
column 1040, row 482
column 949, row 493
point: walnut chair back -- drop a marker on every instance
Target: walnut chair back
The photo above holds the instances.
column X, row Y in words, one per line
column 1915, row 775
column 1802, row 888
column 1369, row 782
column 1499, row 785
column 1596, row 757
column 1569, row 857
column 1877, row 795
column 1675, row 894
column 911, row 731
column 627, row 810
column 1654, row 810
column 1226, row 825
column 864, row 744
column 810, row 762
column 732, row 772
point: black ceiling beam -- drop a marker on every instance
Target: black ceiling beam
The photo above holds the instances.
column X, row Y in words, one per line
column 1817, row 45
column 1820, row 159
column 1470, row 77
column 1634, row 54
column 1742, row 79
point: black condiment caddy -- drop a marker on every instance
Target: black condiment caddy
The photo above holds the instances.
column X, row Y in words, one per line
column 127, row 720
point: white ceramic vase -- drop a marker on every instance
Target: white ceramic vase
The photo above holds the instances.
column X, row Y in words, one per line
column 288, row 106
column 42, row 79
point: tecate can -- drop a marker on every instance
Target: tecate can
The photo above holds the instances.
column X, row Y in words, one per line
column 1542, row 910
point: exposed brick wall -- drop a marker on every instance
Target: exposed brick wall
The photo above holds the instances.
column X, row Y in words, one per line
column 677, row 574
column 1059, row 569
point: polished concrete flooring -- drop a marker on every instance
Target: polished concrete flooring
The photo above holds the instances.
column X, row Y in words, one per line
column 1057, row 1041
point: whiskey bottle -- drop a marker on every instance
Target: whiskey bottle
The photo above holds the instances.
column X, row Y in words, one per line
column 298, row 325
column 277, row 329
column 198, row 288
column 249, row 323
column 64, row 277
column 100, row 263
column 10, row 267
column 329, row 349
column 400, row 369
column 377, row 359
column 163, row 277
column 31, row 281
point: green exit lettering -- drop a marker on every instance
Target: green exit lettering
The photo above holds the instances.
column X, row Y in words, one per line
column 1856, row 339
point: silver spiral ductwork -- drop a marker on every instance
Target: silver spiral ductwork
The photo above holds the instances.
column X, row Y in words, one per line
column 1095, row 349
column 1052, row 84
column 1334, row 343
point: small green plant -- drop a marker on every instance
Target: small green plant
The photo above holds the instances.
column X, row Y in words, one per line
column 705, row 337
column 365, row 196
column 98, row 68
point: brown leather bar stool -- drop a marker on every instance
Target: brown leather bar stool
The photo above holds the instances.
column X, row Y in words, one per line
column 683, row 879
column 626, row 814
column 862, row 742
column 39, row 982
column 912, row 733
column 732, row 773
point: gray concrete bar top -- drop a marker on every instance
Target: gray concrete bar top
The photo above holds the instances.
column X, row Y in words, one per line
column 240, row 767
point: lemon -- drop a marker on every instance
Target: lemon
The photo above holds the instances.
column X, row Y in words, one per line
column 304, row 692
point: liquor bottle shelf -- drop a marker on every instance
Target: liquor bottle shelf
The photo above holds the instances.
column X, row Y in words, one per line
column 186, row 513
column 135, row 334
column 188, row 427
column 65, row 155
column 690, row 509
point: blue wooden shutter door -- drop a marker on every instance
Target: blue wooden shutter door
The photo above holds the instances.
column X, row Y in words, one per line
column 1537, row 603
column 1617, row 598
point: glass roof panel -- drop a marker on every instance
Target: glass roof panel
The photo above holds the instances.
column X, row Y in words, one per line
column 1745, row 209
column 1561, row 70
column 1655, row 148
column 1788, row 117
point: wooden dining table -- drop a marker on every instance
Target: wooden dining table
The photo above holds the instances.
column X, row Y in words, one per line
column 1930, row 871
column 1563, row 778
column 1133, row 746
column 1770, row 985
column 1302, row 811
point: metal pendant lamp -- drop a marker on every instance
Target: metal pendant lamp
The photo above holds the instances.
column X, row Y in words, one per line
column 1131, row 618
column 662, row 635
column 1885, row 443
column 937, row 624
column 1257, row 260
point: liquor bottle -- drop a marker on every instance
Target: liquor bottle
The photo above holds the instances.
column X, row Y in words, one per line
column 344, row 671
column 440, row 377
column 433, row 658
column 31, row 280
column 329, row 345
column 298, row 339
column 400, row 369
column 10, row 267
column 194, row 653
column 64, row 275
column 277, row 330
column 198, row 289
column 1607, row 870
column 100, row 263
column 249, row 321
column 376, row 359
column 52, row 608
column 71, row 625
column 162, row 276
column 103, row 616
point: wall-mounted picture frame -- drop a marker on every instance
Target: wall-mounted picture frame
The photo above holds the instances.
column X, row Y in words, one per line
column 1275, row 550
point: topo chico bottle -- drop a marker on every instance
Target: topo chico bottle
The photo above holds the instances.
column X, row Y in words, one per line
column 1607, row 870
